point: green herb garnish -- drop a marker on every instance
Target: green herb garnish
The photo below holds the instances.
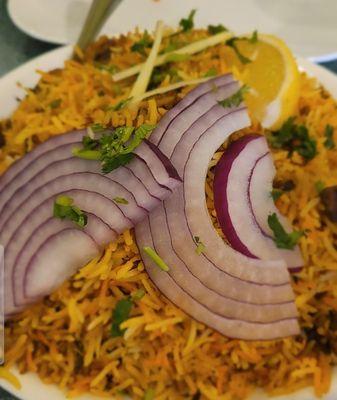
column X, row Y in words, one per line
column 138, row 295
column 329, row 142
column 120, row 314
column 120, row 200
column 200, row 246
column 64, row 208
column 96, row 128
column 276, row 194
column 156, row 259
column 120, row 105
column 235, row 99
column 232, row 42
column 282, row 239
column 55, row 103
column 114, row 148
column 111, row 69
column 319, row 186
column 294, row 138
column 187, row 24
column 177, row 57
column 214, row 29
column 149, row 394
column 142, row 44
column 210, row 73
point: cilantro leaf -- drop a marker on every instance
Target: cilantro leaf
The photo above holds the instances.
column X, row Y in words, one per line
column 282, row 239
column 120, row 105
column 156, row 258
column 210, row 73
column 329, row 142
column 235, row 99
column 319, row 186
column 293, row 138
column 200, row 246
column 55, row 103
column 232, row 42
column 142, row 44
column 276, row 194
column 114, row 148
column 214, row 29
column 64, row 208
column 187, row 24
column 120, row 314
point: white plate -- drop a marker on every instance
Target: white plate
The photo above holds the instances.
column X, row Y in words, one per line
column 308, row 26
column 32, row 387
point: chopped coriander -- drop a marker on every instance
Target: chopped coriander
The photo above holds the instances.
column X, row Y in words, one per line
column 120, row 105
column 111, row 69
column 187, row 24
column 120, row 200
column 114, row 148
column 177, row 57
column 142, row 44
column 139, row 294
column 211, row 72
column 294, row 138
column 232, row 42
column 120, row 314
column 200, row 246
column 86, row 154
column 149, row 394
column 214, row 29
column 319, row 186
column 276, row 194
column 282, row 239
column 156, row 259
column 254, row 38
column 329, row 142
column 97, row 128
column 64, row 208
column 235, row 99
column 55, row 103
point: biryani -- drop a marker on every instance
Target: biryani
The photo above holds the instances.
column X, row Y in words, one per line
column 163, row 353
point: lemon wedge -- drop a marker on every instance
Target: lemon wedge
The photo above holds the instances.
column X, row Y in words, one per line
column 272, row 75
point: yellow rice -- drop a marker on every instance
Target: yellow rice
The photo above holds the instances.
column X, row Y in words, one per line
column 66, row 338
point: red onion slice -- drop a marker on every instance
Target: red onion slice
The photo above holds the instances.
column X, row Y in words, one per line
column 29, row 232
column 56, row 261
column 28, row 159
column 230, row 327
column 190, row 149
column 189, row 99
column 236, row 183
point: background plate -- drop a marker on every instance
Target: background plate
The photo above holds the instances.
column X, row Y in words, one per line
column 32, row 387
column 298, row 22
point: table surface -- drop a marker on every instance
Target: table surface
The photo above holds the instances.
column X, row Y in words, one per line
column 16, row 47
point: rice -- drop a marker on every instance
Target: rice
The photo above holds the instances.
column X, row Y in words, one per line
column 66, row 338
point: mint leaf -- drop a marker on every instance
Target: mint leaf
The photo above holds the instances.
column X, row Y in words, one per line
column 282, row 239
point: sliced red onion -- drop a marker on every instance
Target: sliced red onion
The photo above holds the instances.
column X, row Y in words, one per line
column 236, row 328
column 99, row 231
column 28, row 231
column 190, row 150
column 236, row 182
column 189, row 99
column 29, row 158
column 56, row 261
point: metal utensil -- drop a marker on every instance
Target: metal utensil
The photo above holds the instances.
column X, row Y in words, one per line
column 99, row 11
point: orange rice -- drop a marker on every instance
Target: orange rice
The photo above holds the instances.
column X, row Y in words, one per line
column 66, row 339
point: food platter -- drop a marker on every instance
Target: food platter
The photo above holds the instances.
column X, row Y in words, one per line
column 32, row 388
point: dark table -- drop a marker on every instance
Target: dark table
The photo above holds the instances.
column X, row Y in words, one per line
column 16, row 47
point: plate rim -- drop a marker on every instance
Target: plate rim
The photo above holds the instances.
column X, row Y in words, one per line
column 27, row 72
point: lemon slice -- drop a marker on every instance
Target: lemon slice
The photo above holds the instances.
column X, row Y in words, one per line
column 273, row 77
